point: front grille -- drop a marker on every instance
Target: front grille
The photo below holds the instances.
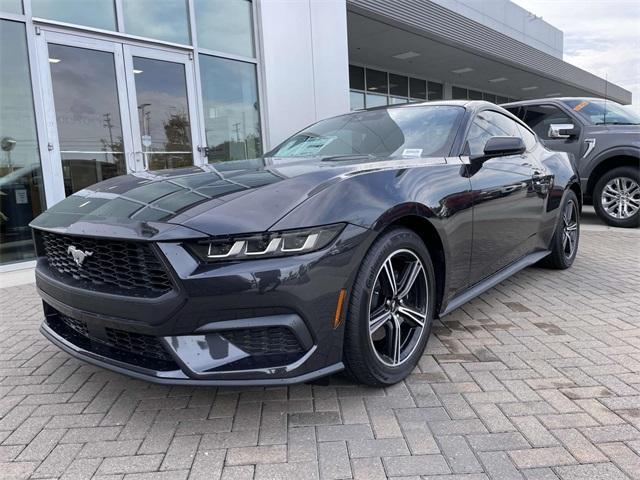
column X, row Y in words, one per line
column 145, row 345
column 263, row 341
column 137, row 349
column 116, row 266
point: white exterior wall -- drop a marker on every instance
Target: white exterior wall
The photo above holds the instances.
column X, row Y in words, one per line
column 506, row 17
column 304, row 58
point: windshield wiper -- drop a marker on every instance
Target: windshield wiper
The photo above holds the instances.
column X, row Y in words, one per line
column 349, row 156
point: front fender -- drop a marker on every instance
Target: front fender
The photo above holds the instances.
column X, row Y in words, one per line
column 441, row 194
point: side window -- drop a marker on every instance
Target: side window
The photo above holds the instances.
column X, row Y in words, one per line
column 528, row 138
column 489, row 124
column 540, row 117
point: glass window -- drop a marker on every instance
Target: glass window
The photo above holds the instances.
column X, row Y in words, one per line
column 458, row 93
column 356, row 77
column 489, row 124
column 85, row 97
column 231, row 109
column 21, row 189
column 475, row 95
column 540, row 117
column 528, row 137
column 398, row 100
column 500, row 100
column 418, row 88
column 398, row 85
column 165, row 20
column 375, row 100
column 225, row 26
column 11, row 6
column 92, row 13
column 163, row 113
column 357, row 100
column 435, row 91
column 420, row 131
column 602, row 112
column 489, row 97
column 377, row 81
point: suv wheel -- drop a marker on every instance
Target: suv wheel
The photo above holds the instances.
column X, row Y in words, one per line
column 390, row 310
column 616, row 197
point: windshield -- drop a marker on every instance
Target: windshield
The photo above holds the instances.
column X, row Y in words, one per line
column 409, row 132
column 600, row 112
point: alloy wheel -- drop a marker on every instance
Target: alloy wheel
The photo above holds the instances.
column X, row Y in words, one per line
column 570, row 228
column 398, row 307
column 620, row 197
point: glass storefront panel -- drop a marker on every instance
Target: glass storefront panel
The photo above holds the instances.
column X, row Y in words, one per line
column 397, row 100
column 377, row 81
column 356, row 77
column 398, row 85
column 418, row 88
column 163, row 113
column 225, row 26
column 357, row 100
column 21, row 188
column 11, row 6
column 91, row 13
column 165, row 20
column 375, row 100
column 475, row 95
column 435, row 91
column 231, row 109
column 87, row 115
column 458, row 93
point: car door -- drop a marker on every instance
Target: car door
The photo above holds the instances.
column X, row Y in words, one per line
column 508, row 198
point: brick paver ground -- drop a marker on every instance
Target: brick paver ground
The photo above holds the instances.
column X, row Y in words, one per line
column 538, row 378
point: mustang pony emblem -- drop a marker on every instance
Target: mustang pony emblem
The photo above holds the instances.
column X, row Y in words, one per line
column 78, row 255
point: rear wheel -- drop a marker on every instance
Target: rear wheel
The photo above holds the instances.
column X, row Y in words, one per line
column 616, row 197
column 390, row 310
column 564, row 245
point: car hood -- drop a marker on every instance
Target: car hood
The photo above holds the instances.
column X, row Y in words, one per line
column 217, row 199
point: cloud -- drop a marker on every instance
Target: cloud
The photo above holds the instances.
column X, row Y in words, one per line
column 600, row 36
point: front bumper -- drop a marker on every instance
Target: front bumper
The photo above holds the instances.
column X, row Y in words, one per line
column 259, row 322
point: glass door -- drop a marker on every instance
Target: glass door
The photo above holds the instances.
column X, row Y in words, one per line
column 161, row 91
column 86, row 110
column 113, row 109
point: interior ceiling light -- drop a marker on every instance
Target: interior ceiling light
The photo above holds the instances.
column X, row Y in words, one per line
column 54, row 60
column 533, row 87
column 137, row 71
column 406, row 55
column 463, row 70
column 499, row 79
column 557, row 94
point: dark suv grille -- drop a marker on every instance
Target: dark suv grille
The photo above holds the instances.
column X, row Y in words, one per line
column 260, row 341
column 121, row 266
column 135, row 348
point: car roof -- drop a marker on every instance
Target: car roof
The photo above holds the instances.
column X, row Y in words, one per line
column 536, row 101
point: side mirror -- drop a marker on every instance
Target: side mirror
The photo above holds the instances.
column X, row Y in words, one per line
column 500, row 147
column 562, row 130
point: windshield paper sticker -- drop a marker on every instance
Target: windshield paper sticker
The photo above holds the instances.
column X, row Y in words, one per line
column 580, row 106
column 311, row 146
column 412, row 153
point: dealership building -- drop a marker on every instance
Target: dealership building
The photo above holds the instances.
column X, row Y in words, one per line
column 90, row 89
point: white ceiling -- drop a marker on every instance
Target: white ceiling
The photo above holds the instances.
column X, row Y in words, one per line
column 374, row 43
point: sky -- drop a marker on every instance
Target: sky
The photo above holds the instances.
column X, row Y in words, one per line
column 600, row 36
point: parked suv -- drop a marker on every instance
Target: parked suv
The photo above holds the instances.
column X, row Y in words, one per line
column 604, row 138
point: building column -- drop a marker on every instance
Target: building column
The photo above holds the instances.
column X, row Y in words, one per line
column 305, row 63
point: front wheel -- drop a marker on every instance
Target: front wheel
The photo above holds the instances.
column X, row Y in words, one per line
column 390, row 310
column 616, row 197
column 564, row 244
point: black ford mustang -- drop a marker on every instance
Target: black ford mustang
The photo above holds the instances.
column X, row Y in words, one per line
column 335, row 250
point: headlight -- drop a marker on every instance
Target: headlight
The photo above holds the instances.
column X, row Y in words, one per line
column 266, row 245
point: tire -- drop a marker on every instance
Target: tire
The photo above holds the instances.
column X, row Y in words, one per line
column 616, row 197
column 564, row 244
column 371, row 358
